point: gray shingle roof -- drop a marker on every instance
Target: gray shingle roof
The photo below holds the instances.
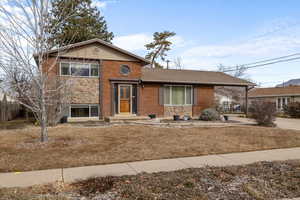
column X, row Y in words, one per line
column 276, row 91
column 192, row 77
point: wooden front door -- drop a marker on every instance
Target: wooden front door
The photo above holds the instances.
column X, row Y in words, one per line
column 124, row 96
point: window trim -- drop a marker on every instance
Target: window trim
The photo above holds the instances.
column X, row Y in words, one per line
column 185, row 86
column 89, row 105
column 127, row 66
column 70, row 66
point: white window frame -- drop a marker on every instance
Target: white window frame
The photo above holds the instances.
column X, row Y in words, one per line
column 280, row 107
column 70, row 66
column 84, row 105
column 185, row 86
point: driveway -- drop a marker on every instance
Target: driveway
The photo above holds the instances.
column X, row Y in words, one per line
column 284, row 123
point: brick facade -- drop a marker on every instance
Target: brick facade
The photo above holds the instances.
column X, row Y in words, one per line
column 111, row 70
column 93, row 90
column 149, row 100
column 205, row 99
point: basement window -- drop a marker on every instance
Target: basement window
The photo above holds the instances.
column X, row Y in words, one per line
column 84, row 110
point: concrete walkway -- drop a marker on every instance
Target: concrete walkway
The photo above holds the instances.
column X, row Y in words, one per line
column 24, row 179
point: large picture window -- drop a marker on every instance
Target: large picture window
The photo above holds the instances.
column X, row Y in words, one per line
column 178, row 95
column 79, row 69
column 84, row 111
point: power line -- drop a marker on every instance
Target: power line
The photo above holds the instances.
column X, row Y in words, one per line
column 260, row 65
column 263, row 61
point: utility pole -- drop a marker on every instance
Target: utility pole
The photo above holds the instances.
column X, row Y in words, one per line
column 168, row 64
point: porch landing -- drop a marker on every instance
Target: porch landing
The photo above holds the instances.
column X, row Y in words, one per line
column 124, row 118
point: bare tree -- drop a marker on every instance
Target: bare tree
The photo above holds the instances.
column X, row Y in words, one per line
column 235, row 93
column 178, row 63
column 238, row 72
column 30, row 77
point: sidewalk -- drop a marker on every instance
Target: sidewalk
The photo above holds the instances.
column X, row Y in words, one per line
column 24, row 179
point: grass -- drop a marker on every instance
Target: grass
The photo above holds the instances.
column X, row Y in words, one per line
column 69, row 146
column 258, row 181
column 14, row 124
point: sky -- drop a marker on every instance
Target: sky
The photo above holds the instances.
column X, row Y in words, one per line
column 210, row 32
column 213, row 32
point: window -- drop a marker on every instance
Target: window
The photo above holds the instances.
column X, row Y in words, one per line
column 167, row 99
column 178, row 95
column 84, row 111
column 79, row 69
column 124, row 69
column 94, row 70
column 65, row 69
column 282, row 102
column 94, row 111
column 188, row 93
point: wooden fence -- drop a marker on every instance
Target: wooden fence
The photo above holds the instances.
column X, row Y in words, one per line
column 9, row 110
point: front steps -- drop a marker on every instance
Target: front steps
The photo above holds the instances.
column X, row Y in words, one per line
column 125, row 118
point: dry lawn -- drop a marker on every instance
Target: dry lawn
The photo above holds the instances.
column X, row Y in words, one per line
column 71, row 146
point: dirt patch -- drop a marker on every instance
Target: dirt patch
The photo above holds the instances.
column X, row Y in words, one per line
column 68, row 146
column 263, row 180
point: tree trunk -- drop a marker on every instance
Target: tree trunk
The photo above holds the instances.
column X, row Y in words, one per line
column 44, row 131
column 43, row 121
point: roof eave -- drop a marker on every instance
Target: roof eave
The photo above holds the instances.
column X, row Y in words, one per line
column 280, row 95
column 201, row 83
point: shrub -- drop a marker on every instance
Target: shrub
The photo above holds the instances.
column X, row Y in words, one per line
column 263, row 112
column 293, row 109
column 209, row 114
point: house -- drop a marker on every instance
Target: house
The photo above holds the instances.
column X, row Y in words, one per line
column 229, row 99
column 279, row 95
column 110, row 81
column 226, row 103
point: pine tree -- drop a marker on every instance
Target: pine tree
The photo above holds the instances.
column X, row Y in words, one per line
column 83, row 19
column 159, row 47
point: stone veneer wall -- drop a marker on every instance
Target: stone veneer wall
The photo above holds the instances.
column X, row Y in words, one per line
column 84, row 90
column 178, row 110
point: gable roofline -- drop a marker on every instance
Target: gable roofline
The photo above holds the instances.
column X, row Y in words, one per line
column 97, row 40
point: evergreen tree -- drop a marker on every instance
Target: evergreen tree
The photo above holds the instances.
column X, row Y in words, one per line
column 159, row 47
column 73, row 21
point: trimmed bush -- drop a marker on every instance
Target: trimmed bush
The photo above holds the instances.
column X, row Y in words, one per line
column 264, row 112
column 209, row 114
column 293, row 109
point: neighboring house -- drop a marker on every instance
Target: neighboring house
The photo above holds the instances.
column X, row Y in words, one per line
column 280, row 95
column 229, row 99
column 227, row 103
column 109, row 81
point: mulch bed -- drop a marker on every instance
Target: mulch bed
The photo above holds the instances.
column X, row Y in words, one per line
column 263, row 180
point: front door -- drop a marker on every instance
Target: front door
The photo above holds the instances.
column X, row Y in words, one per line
column 125, row 98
